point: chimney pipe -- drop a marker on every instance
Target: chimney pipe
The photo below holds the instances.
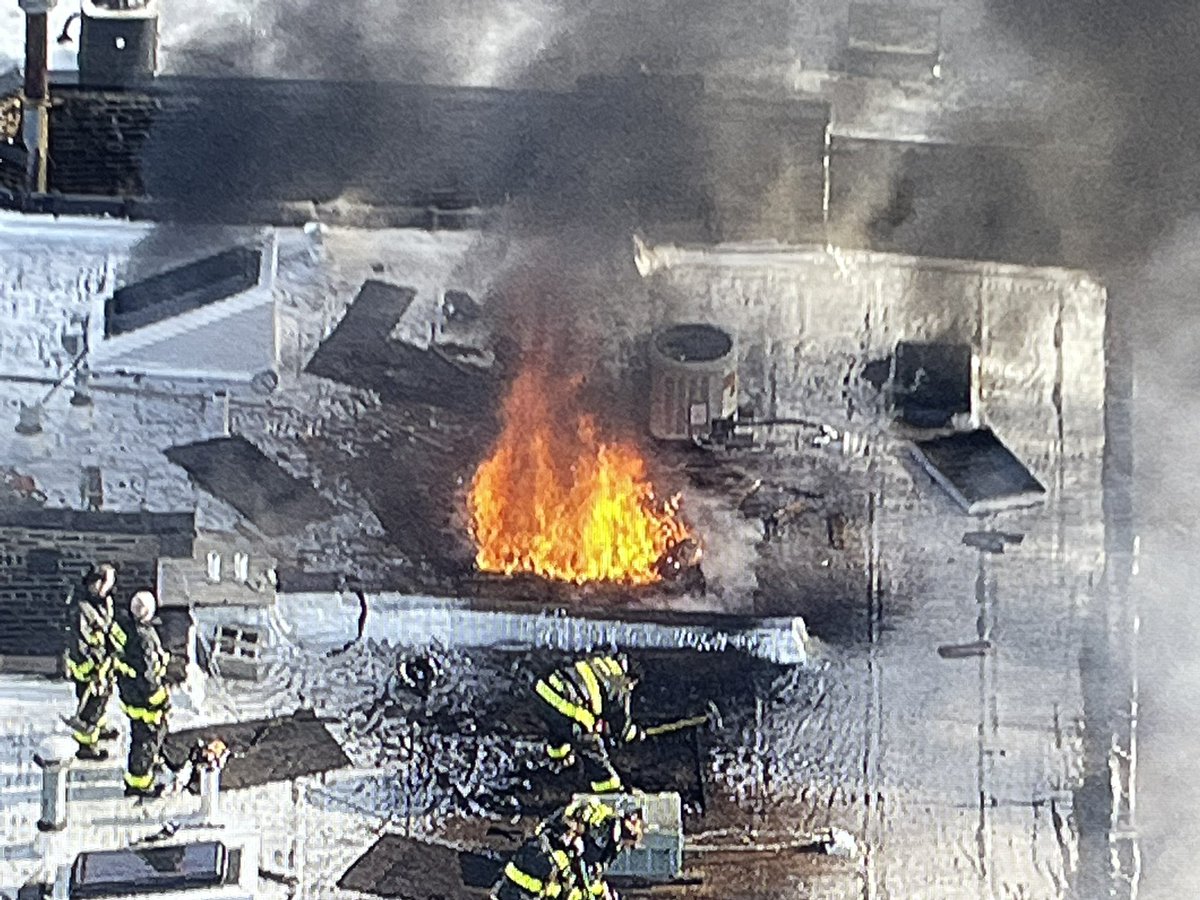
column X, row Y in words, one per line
column 35, row 108
column 209, row 760
column 54, row 759
column 210, row 794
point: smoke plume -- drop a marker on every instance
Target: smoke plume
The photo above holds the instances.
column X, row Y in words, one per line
column 1135, row 217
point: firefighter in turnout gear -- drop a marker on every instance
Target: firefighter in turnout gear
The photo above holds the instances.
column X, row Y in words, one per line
column 595, row 834
column 141, row 672
column 586, row 708
column 90, row 658
column 540, row 869
column 603, row 842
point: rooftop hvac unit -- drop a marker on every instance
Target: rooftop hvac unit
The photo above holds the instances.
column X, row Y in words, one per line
column 693, row 381
column 660, row 855
column 203, row 870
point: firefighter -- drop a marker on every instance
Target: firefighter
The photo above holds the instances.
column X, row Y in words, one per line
column 586, row 706
column 567, row 827
column 603, row 841
column 90, row 659
column 141, row 671
column 594, row 833
column 538, row 870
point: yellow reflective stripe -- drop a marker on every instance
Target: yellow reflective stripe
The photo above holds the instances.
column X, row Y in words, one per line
column 610, row 665
column 597, row 888
column 590, row 810
column 87, row 738
column 149, row 716
column 568, row 709
column 575, row 894
column 600, row 812
column 117, row 633
column 141, row 782
column 561, row 859
column 592, row 685
column 516, row 876
column 80, row 671
column 607, row 786
column 630, row 733
column 159, row 697
column 124, row 668
column 560, row 752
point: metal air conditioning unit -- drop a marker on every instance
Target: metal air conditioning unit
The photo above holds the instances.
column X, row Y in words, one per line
column 693, row 381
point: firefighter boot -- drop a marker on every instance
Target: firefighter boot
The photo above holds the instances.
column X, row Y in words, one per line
column 91, row 753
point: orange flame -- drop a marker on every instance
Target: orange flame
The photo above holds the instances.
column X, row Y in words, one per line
column 556, row 501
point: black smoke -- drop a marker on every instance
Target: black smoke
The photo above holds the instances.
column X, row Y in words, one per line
column 1132, row 154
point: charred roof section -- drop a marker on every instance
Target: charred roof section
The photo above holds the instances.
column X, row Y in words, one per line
column 360, row 353
column 235, row 471
column 265, row 750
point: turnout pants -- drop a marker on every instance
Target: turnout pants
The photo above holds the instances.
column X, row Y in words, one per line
column 536, row 872
column 92, row 698
column 147, row 732
column 564, row 737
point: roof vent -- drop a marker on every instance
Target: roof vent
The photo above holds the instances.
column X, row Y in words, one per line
column 118, row 42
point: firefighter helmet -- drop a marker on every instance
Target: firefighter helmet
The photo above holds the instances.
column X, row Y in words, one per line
column 142, row 606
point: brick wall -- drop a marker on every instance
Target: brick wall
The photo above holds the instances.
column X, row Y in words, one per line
column 12, row 167
column 665, row 150
column 96, row 139
column 43, row 553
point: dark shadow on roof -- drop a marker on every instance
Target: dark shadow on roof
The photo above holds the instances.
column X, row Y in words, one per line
column 401, row 867
column 235, row 471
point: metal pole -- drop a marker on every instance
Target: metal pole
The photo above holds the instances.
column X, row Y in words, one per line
column 35, row 118
column 210, row 759
column 210, row 793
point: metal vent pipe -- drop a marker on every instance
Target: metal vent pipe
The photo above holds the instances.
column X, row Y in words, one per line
column 54, row 759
